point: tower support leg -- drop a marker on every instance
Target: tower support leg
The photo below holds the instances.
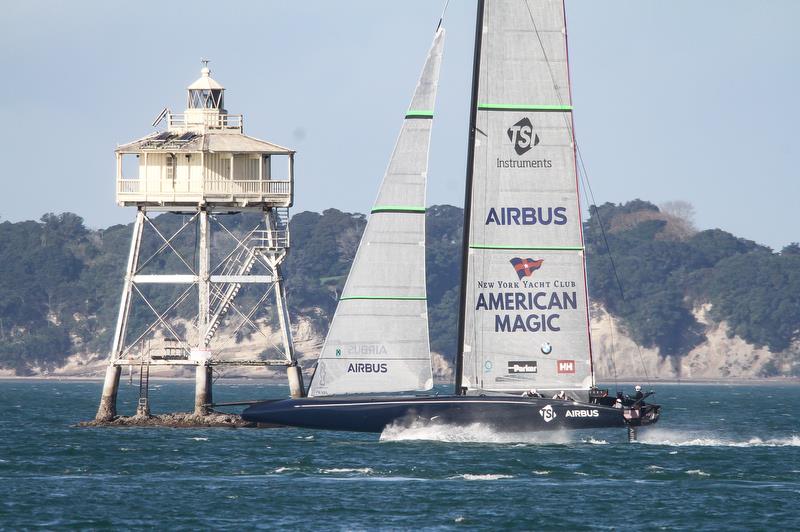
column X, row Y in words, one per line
column 202, row 390
column 294, row 374
column 108, row 400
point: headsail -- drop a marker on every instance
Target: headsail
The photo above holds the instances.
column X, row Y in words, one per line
column 524, row 305
column 378, row 339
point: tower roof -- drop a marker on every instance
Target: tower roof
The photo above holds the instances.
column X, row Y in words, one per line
column 205, row 81
column 209, row 142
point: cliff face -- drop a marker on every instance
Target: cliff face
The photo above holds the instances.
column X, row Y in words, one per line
column 720, row 355
column 703, row 302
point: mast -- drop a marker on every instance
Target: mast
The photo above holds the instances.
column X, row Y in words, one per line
column 473, row 112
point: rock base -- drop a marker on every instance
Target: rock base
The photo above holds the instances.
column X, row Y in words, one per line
column 174, row 420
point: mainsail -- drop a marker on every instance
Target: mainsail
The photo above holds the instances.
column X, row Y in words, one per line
column 378, row 339
column 524, row 312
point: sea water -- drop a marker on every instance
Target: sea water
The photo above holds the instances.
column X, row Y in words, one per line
column 722, row 457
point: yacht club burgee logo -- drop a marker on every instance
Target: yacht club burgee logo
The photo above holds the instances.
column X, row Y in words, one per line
column 525, row 267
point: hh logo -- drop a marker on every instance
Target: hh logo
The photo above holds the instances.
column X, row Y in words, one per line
column 565, row 366
column 548, row 414
column 522, row 136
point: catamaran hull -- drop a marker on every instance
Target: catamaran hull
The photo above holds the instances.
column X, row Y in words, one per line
column 507, row 414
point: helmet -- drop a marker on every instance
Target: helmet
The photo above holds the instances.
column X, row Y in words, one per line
column 533, row 390
column 637, row 388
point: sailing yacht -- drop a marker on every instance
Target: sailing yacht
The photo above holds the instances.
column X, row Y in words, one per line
column 524, row 315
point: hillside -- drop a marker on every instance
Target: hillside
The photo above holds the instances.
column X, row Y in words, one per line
column 699, row 303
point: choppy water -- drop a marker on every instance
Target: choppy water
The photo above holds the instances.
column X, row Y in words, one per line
column 723, row 457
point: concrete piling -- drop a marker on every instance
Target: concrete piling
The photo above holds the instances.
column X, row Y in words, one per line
column 108, row 401
column 202, row 390
column 295, row 376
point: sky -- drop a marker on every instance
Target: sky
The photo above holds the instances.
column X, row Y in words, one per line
column 679, row 100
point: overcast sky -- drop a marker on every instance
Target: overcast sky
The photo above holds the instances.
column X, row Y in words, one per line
column 678, row 100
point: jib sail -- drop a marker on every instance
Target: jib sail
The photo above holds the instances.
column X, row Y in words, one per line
column 524, row 304
column 378, row 339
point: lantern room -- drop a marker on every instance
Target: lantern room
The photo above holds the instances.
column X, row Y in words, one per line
column 203, row 157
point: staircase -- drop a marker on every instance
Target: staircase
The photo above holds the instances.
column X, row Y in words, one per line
column 240, row 264
column 266, row 242
column 280, row 218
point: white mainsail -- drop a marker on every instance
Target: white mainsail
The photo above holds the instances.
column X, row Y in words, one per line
column 524, row 307
column 378, row 339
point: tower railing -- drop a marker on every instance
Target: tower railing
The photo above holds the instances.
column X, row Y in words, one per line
column 210, row 121
column 141, row 190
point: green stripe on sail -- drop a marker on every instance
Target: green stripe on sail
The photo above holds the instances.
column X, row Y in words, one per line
column 397, row 208
column 386, row 298
column 419, row 113
column 529, row 248
column 521, row 107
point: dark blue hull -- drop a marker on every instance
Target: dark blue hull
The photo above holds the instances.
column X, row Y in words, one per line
column 507, row 414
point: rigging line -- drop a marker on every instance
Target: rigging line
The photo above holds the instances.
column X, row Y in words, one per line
column 608, row 249
column 584, row 186
column 441, row 19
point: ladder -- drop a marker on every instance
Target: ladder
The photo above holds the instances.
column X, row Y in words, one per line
column 143, row 406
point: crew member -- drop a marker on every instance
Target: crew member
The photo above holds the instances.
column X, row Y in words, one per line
column 531, row 393
column 639, row 397
column 561, row 395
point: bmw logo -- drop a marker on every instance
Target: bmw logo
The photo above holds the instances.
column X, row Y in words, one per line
column 547, row 348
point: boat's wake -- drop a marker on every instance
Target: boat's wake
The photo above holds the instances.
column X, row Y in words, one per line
column 473, row 433
column 692, row 439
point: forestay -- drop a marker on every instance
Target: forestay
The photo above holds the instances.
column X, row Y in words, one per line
column 378, row 339
column 525, row 306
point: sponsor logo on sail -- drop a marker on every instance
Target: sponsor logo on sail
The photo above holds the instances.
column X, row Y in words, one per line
column 525, row 267
column 527, row 216
column 582, row 413
column 548, row 414
column 368, row 367
column 364, row 349
column 565, row 366
column 525, row 366
column 527, row 301
column 522, row 136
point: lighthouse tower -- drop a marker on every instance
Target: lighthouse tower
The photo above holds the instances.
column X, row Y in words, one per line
column 210, row 278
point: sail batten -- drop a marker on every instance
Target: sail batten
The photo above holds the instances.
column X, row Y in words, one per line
column 378, row 338
column 524, row 303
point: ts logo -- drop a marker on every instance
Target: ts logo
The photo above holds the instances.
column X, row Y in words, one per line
column 522, row 136
column 548, row 414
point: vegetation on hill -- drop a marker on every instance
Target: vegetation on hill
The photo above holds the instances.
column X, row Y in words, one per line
column 60, row 282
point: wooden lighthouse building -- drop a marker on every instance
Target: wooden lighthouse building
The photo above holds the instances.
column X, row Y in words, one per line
column 203, row 167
